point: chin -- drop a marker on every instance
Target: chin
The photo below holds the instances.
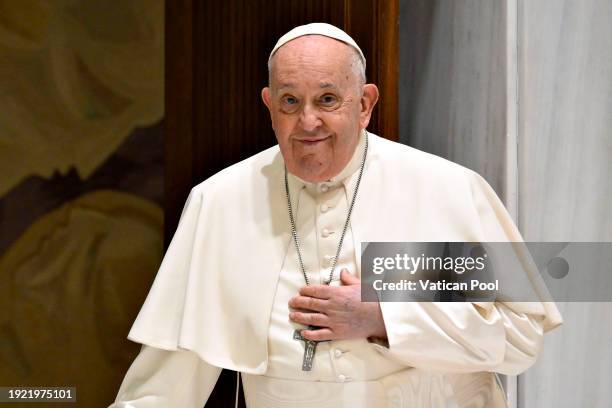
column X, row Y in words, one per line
column 312, row 170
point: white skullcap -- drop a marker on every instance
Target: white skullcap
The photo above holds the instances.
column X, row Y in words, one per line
column 325, row 29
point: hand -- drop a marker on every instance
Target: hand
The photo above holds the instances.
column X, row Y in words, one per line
column 338, row 311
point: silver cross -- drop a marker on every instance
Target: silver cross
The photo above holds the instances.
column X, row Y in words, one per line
column 310, row 347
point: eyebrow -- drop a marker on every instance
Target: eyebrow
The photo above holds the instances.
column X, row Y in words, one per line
column 322, row 85
column 288, row 85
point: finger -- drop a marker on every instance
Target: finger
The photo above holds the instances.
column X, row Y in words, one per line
column 347, row 279
column 318, row 335
column 316, row 291
column 308, row 303
column 310, row 319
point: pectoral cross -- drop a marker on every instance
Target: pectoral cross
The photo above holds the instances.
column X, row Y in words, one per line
column 310, row 347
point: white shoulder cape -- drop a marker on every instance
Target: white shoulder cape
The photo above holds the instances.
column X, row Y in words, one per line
column 214, row 290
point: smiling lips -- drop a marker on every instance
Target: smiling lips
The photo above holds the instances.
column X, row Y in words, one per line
column 313, row 141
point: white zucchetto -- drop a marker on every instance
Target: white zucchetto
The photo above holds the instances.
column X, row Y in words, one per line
column 325, row 29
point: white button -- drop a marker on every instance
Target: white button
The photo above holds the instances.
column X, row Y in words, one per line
column 324, row 187
column 325, row 233
column 342, row 378
column 324, row 208
column 337, row 353
column 328, row 260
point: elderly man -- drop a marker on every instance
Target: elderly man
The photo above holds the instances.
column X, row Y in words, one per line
column 262, row 276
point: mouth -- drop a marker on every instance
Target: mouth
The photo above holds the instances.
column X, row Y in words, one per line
column 311, row 141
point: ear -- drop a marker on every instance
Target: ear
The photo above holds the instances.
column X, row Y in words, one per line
column 368, row 100
column 265, row 97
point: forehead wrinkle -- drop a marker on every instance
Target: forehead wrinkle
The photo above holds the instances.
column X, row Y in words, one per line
column 286, row 85
column 319, row 55
column 325, row 73
column 311, row 52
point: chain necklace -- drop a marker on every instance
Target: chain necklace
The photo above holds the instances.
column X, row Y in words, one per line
column 296, row 240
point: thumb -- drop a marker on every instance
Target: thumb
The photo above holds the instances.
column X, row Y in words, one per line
column 347, row 279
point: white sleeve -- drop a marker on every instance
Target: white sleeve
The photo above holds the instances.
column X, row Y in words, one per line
column 461, row 337
column 524, row 338
column 162, row 378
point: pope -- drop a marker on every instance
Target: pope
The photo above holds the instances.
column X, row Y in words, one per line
column 263, row 275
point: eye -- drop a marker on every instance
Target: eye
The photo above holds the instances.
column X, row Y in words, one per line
column 289, row 103
column 328, row 100
column 290, row 100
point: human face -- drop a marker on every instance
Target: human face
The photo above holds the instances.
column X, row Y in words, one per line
column 317, row 106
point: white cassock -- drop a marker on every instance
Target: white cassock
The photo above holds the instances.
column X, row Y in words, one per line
column 220, row 297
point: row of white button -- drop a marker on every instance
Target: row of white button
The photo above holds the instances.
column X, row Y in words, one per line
column 325, row 232
column 328, row 260
column 338, row 353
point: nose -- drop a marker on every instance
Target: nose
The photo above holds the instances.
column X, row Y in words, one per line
column 309, row 118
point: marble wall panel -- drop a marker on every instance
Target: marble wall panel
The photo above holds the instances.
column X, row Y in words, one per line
column 452, row 82
column 565, row 192
column 456, row 93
